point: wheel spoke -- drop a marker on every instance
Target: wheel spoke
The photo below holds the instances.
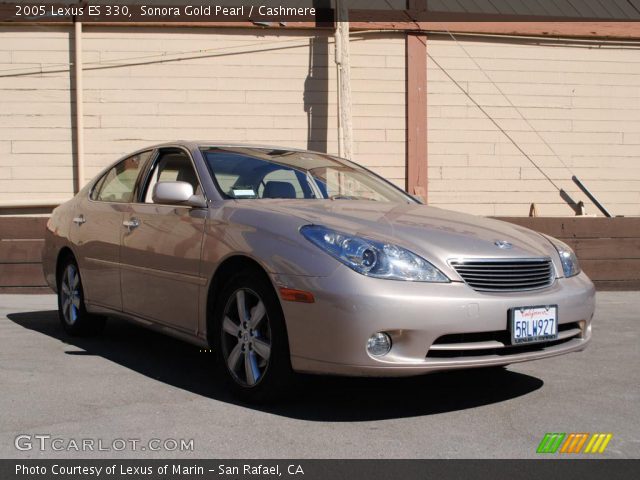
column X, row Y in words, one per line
column 76, row 301
column 257, row 314
column 247, row 338
column 230, row 327
column 251, row 367
column 65, row 288
column 242, row 307
column 262, row 348
column 234, row 357
column 75, row 279
column 65, row 307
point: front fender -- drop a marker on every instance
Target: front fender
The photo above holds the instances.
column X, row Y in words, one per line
column 56, row 237
column 273, row 240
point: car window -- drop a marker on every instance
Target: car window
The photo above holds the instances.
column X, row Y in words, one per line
column 338, row 183
column 118, row 184
column 243, row 176
column 285, row 179
column 172, row 166
column 257, row 173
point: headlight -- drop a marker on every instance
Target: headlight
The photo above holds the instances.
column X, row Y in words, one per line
column 570, row 264
column 373, row 258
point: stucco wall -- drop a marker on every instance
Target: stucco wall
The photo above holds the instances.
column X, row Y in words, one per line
column 583, row 99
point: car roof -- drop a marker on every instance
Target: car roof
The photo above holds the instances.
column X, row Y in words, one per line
column 196, row 144
column 217, row 143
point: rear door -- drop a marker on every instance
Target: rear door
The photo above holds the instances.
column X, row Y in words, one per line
column 97, row 231
column 161, row 249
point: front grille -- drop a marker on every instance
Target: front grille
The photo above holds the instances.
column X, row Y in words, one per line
column 505, row 275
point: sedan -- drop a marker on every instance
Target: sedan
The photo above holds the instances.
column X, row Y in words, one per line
column 284, row 261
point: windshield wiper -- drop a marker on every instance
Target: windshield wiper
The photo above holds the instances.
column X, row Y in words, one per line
column 351, row 197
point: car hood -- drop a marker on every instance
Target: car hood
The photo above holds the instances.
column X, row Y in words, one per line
column 436, row 234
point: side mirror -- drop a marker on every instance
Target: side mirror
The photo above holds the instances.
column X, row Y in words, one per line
column 176, row 193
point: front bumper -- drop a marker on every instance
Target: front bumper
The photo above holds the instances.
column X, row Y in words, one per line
column 330, row 335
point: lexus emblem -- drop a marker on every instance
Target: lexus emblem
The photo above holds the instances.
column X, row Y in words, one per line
column 503, row 244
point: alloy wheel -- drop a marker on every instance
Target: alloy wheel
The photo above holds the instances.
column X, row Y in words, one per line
column 70, row 294
column 246, row 337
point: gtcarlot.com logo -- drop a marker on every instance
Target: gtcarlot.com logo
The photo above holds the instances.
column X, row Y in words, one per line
column 574, row 443
column 46, row 442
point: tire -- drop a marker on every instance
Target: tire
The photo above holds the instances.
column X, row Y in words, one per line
column 71, row 308
column 252, row 356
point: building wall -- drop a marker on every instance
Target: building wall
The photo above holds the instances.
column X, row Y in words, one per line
column 147, row 85
column 144, row 86
column 583, row 100
column 35, row 114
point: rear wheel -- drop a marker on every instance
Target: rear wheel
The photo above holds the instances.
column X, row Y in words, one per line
column 251, row 339
column 71, row 309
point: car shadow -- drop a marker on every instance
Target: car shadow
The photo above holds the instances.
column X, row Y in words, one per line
column 314, row 398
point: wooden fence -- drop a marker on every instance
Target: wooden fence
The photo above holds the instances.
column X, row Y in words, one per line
column 608, row 249
column 21, row 241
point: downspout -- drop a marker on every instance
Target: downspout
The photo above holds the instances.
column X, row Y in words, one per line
column 79, row 111
column 342, row 59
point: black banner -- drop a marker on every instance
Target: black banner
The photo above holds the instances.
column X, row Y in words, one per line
column 583, row 469
column 310, row 11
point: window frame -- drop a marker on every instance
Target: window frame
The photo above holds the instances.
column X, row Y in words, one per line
column 142, row 182
column 99, row 183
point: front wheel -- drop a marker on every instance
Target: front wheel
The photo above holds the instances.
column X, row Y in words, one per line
column 251, row 339
column 73, row 315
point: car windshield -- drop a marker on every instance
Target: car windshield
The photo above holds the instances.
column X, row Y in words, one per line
column 253, row 173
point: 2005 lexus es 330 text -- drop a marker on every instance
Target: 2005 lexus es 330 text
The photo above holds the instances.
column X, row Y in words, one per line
column 284, row 260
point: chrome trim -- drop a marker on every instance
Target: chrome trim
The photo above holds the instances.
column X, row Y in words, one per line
column 557, row 348
column 489, row 344
column 131, row 224
column 515, row 275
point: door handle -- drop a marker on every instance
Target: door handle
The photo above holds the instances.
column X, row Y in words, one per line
column 79, row 220
column 131, row 224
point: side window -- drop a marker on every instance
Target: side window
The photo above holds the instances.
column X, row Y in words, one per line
column 118, row 184
column 172, row 166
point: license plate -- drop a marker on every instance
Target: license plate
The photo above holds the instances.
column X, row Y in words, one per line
column 534, row 324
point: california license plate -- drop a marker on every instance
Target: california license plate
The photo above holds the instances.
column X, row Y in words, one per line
column 534, row 324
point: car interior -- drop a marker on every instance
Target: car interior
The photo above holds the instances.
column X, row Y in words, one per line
column 172, row 167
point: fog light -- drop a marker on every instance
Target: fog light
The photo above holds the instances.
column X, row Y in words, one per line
column 379, row 344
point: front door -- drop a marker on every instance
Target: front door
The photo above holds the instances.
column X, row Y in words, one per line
column 96, row 231
column 161, row 249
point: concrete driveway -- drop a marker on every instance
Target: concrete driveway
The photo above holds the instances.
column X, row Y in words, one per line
column 131, row 383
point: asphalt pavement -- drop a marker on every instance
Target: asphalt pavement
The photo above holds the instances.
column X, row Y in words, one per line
column 132, row 386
